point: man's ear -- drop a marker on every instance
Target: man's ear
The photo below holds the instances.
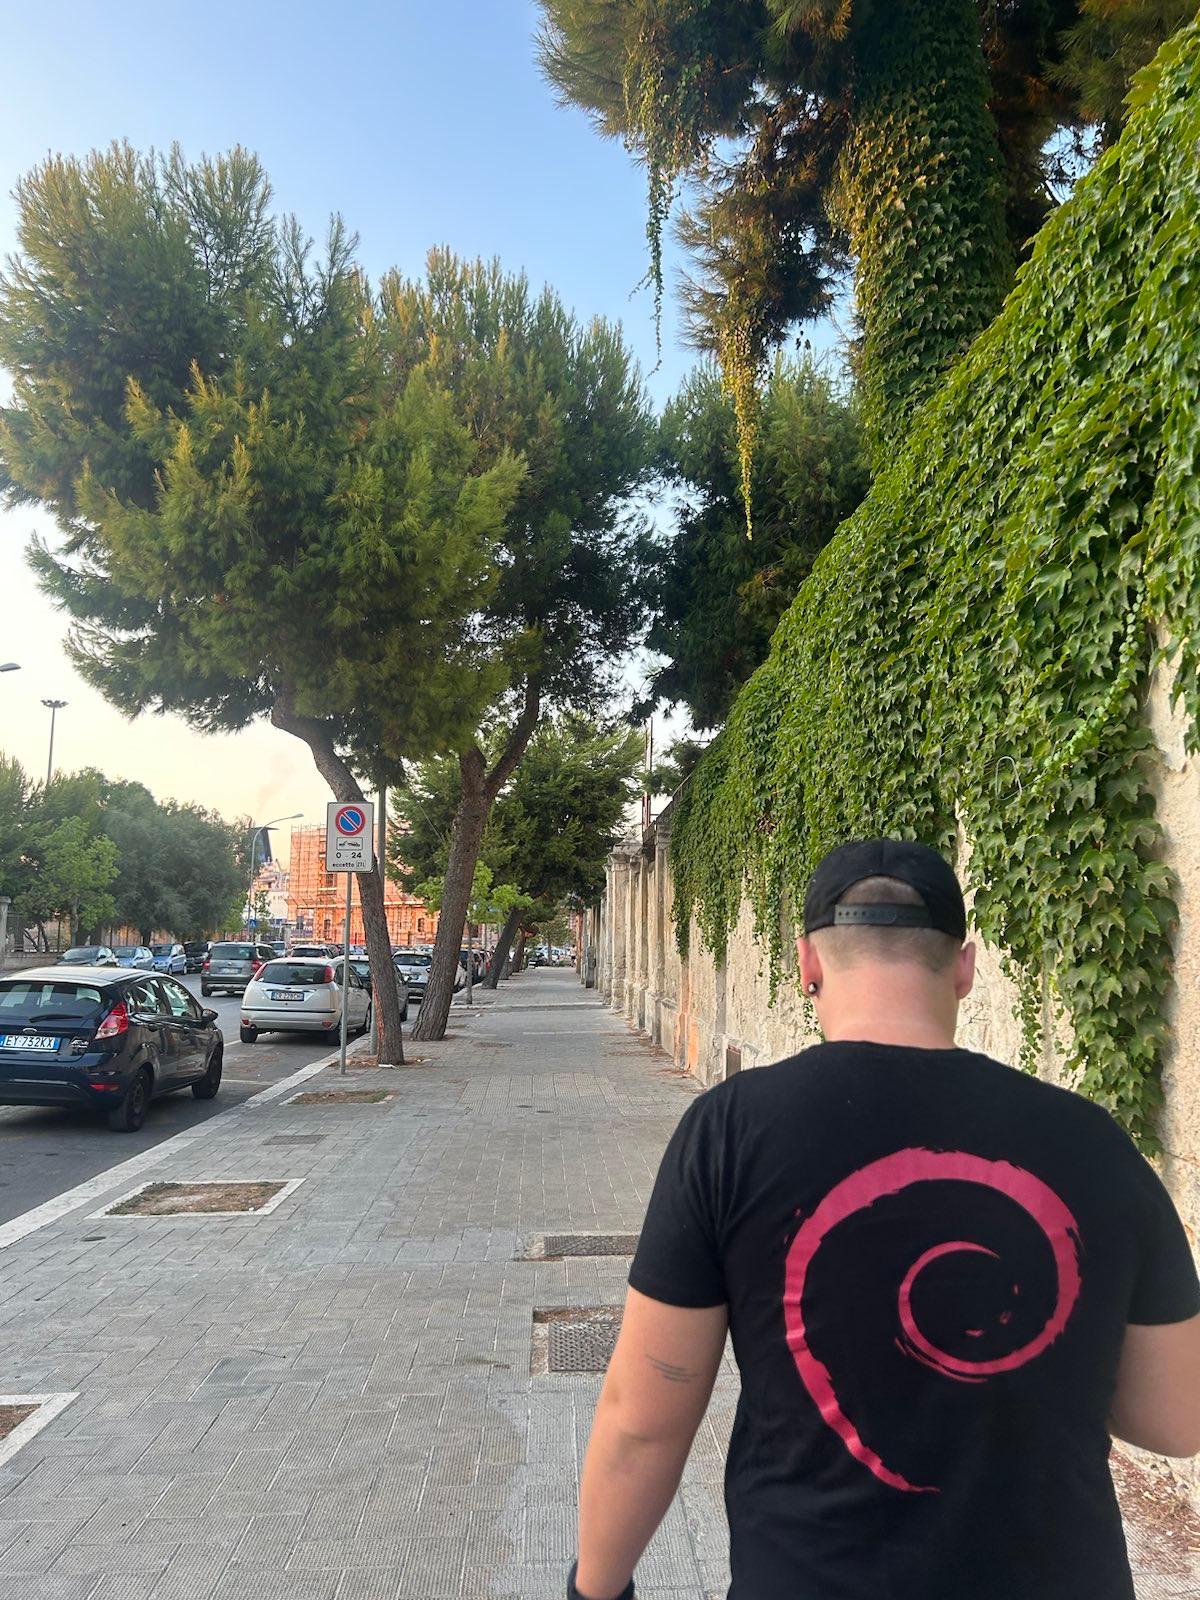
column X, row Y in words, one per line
column 809, row 963
column 964, row 971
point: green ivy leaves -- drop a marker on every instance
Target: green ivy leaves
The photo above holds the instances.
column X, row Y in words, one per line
column 971, row 651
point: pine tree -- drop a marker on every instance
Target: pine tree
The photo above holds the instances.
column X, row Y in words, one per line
column 265, row 508
column 528, row 378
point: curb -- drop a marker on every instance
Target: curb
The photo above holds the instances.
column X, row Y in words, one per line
column 119, row 1175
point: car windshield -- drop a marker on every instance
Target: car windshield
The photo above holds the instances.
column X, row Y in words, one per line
column 162, row 949
column 25, row 1000
column 292, row 973
column 126, row 949
column 83, row 952
column 232, row 952
column 404, row 959
column 363, row 968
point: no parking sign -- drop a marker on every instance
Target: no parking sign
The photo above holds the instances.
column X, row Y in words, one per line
column 349, row 830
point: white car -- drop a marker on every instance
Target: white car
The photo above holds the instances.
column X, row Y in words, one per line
column 300, row 994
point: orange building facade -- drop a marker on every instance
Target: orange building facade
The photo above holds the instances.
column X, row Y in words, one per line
column 317, row 899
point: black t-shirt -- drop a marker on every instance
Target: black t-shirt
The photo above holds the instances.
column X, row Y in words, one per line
column 929, row 1260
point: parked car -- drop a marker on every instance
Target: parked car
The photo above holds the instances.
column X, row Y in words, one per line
column 279, row 947
column 301, row 995
column 169, row 957
column 413, row 966
column 231, row 964
column 314, row 951
column 134, row 955
column 474, row 957
column 87, row 955
column 109, row 1041
column 196, row 952
column 361, row 966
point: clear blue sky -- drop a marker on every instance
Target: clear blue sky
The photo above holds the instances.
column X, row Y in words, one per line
column 423, row 123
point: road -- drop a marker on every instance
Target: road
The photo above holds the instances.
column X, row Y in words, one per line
column 45, row 1151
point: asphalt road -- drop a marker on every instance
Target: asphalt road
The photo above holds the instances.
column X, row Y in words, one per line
column 45, row 1151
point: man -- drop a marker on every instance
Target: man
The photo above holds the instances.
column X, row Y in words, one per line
column 948, row 1283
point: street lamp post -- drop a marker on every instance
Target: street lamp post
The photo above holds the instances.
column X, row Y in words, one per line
column 54, row 707
column 262, row 827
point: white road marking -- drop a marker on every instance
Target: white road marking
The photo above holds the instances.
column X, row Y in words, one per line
column 48, row 1407
column 84, row 1193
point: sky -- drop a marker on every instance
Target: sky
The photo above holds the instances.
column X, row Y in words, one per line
column 423, row 124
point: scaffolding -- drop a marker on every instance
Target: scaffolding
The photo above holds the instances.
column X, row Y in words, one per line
column 316, row 899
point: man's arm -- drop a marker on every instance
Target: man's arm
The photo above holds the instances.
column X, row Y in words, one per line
column 1157, row 1400
column 654, row 1397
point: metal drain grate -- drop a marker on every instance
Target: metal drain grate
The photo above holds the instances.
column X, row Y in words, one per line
column 575, row 1338
column 295, row 1138
column 558, row 1245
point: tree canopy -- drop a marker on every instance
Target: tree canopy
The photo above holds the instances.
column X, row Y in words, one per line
column 549, row 834
column 912, row 138
column 528, row 377
column 106, row 853
column 266, row 507
column 716, row 596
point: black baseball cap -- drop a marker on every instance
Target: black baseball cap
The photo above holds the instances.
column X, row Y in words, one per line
column 923, row 869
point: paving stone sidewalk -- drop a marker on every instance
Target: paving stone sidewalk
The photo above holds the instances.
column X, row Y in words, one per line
column 335, row 1401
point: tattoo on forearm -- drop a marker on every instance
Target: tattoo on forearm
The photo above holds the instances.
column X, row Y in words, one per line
column 669, row 1371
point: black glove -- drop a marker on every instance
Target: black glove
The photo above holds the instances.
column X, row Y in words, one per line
column 574, row 1594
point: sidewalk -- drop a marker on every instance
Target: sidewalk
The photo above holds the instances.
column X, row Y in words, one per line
column 334, row 1401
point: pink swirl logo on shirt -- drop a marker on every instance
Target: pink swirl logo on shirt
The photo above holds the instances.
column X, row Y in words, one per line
column 889, row 1176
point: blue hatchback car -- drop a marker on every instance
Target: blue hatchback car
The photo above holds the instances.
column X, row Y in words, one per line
column 169, row 958
column 134, row 955
column 103, row 1039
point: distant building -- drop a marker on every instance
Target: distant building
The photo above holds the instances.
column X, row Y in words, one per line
column 272, row 881
column 316, row 899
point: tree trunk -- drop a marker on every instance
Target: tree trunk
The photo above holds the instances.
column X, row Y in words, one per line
column 518, row 964
column 480, row 788
column 932, row 257
column 345, row 786
column 503, row 945
column 466, row 836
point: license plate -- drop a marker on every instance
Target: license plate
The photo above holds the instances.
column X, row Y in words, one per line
column 29, row 1041
column 286, row 994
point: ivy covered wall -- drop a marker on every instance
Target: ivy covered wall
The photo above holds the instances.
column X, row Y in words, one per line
column 970, row 654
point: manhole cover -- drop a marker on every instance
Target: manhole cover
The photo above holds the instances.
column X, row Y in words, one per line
column 555, row 1246
column 295, row 1138
column 575, row 1338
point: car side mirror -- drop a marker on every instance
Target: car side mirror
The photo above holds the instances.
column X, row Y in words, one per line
column 209, row 1016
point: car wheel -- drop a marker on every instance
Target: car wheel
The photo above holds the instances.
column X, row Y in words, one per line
column 205, row 990
column 131, row 1113
column 366, row 1027
column 248, row 1035
column 206, row 1088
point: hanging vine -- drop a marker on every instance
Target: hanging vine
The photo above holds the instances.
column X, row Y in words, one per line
column 971, row 652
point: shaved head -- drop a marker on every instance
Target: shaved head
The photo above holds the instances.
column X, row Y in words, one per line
column 850, row 946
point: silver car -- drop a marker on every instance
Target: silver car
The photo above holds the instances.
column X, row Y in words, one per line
column 413, row 966
column 230, row 966
column 297, row 994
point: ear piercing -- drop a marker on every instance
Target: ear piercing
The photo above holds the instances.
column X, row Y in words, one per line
column 812, row 988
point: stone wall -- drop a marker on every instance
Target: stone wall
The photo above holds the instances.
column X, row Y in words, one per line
column 715, row 1020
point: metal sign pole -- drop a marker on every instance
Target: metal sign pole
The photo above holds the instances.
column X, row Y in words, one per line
column 346, row 975
column 470, row 960
column 381, row 859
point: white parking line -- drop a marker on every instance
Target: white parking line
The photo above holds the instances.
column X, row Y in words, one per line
column 84, row 1193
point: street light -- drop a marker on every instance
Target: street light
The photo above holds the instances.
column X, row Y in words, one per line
column 295, row 817
column 54, row 707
